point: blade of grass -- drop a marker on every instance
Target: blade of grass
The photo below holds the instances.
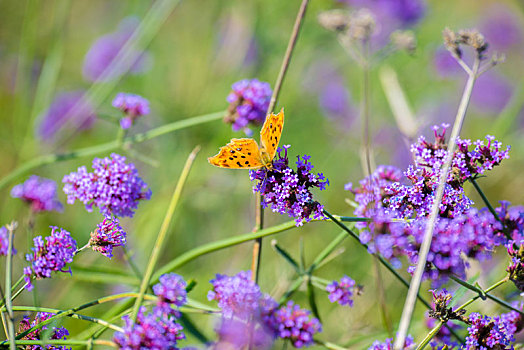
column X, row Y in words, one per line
column 162, row 234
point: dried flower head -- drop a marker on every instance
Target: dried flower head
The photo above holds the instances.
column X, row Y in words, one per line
column 50, row 255
column 114, row 186
column 441, row 311
column 451, row 42
column 473, row 38
column 404, row 40
column 362, row 25
column 56, row 334
column 107, row 235
column 334, row 20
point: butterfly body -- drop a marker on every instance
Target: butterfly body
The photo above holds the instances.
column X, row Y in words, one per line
column 245, row 153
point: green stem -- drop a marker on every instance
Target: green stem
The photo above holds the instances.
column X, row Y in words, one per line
column 326, row 251
column 329, row 345
column 132, row 264
column 484, row 198
column 8, row 275
column 109, row 146
column 430, row 336
column 162, row 234
column 482, row 293
column 65, row 342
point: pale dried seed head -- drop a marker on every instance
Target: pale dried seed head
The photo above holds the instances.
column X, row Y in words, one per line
column 362, row 25
column 334, row 20
column 451, row 42
column 404, row 40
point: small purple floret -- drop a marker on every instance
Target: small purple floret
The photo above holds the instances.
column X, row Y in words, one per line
column 4, row 242
column 341, row 292
column 50, row 255
column 39, row 193
column 114, row 186
column 171, row 290
column 107, row 235
column 488, row 332
column 133, row 106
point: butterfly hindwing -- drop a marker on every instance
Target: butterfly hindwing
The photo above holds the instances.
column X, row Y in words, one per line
column 238, row 154
column 271, row 133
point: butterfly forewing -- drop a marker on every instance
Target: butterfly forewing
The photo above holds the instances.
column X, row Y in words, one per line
column 238, row 154
column 270, row 134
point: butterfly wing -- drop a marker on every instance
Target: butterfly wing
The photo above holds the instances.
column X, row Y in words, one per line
column 270, row 134
column 238, row 154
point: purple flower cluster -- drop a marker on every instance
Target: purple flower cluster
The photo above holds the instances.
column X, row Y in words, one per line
column 133, row 106
column 293, row 323
column 4, row 242
column 248, row 104
column 237, row 296
column 372, row 191
column 39, row 193
column 409, row 344
column 513, row 319
column 156, row 330
column 107, row 235
column 114, row 186
column 71, row 110
column 287, row 191
column 50, row 255
column 105, row 50
column 512, row 219
column 171, row 290
column 238, row 334
column 516, row 266
column 487, row 332
column 341, row 292
column 56, row 334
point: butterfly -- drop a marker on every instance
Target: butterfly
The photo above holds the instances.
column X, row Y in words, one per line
column 246, row 154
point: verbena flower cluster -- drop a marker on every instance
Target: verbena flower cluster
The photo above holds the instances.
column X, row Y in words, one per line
column 39, row 193
column 238, row 334
column 157, row 329
column 114, row 186
column 248, row 104
column 293, row 323
column 58, row 333
column 516, row 266
column 487, row 332
column 107, row 235
column 49, row 255
column 512, row 219
column 287, row 191
column 4, row 242
column 341, row 291
column 133, row 106
column 409, row 344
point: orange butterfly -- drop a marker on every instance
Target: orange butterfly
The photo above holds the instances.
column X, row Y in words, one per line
column 246, row 154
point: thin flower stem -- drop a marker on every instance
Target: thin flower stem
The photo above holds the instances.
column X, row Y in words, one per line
column 329, row 345
column 162, row 234
column 8, row 275
column 132, row 264
column 259, row 216
column 439, row 325
column 409, row 304
column 488, row 204
column 65, row 342
column 109, row 146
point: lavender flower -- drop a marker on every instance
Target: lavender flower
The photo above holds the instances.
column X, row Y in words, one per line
column 237, row 295
column 409, row 344
column 513, row 320
column 513, row 220
column 240, row 334
column 39, row 193
column 105, row 49
column 156, row 331
column 372, row 191
column 114, row 186
column 341, row 292
column 170, row 291
column 69, row 110
column 50, row 255
column 287, row 191
column 488, row 333
column 56, row 334
column 133, row 106
column 293, row 323
column 107, row 235
column 248, row 103
column 4, row 242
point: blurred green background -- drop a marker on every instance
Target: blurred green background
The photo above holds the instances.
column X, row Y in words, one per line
column 201, row 49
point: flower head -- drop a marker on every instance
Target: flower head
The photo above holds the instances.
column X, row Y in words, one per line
column 341, row 292
column 114, row 186
column 69, row 110
column 516, row 267
column 155, row 330
column 107, row 235
column 248, row 103
column 239, row 334
column 488, row 332
column 100, row 62
column 409, row 344
column 287, row 191
column 512, row 219
column 56, row 334
column 171, row 290
column 133, row 106
column 49, row 255
column 293, row 323
column 237, row 295
column 39, row 193
column 441, row 311
column 4, row 242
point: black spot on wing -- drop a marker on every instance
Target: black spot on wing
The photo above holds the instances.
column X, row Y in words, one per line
column 240, row 165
